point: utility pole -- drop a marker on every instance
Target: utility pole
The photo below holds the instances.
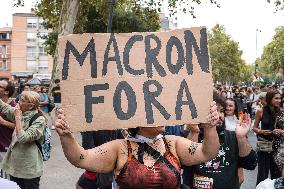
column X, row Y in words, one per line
column 256, row 65
column 110, row 16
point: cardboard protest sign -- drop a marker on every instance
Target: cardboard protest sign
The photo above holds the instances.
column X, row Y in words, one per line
column 112, row 81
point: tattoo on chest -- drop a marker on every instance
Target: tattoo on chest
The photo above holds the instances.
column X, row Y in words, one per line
column 192, row 148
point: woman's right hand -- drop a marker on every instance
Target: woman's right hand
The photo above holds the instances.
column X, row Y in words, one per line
column 61, row 125
column 278, row 132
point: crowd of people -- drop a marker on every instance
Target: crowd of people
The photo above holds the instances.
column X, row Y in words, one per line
column 195, row 156
column 23, row 118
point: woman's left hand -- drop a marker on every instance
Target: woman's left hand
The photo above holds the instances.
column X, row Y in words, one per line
column 212, row 117
column 18, row 112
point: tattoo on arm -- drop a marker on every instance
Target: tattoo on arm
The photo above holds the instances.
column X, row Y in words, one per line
column 192, row 148
column 82, row 156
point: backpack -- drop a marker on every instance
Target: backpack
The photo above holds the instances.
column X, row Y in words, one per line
column 45, row 147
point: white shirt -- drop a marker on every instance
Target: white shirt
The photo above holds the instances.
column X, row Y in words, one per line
column 231, row 122
column 266, row 184
column 254, row 97
column 4, row 183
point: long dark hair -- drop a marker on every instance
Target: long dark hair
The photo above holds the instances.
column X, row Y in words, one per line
column 269, row 96
column 236, row 106
column 133, row 131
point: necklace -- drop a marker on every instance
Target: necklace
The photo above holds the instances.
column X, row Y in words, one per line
column 142, row 139
column 151, row 168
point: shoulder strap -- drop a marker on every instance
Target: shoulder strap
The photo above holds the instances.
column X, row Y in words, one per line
column 158, row 157
column 30, row 123
column 129, row 150
column 140, row 153
column 33, row 119
column 166, row 145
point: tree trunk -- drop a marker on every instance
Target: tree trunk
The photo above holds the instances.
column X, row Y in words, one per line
column 66, row 26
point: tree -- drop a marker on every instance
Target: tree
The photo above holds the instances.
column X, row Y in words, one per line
column 126, row 19
column 228, row 66
column 69, row 10
column 273, row 54
column 279, row 4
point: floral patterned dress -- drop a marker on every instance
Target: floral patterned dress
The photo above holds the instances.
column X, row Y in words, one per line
column 278, row 142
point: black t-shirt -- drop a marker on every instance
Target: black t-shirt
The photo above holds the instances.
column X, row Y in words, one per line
column 222, row 171
column 56, row 93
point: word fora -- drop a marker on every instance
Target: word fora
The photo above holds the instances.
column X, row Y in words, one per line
column 151, row 60
column 149, row 100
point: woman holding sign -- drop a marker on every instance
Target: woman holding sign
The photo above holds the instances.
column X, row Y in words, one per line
column 146, row 159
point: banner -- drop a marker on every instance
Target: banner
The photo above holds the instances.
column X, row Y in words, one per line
column 111, row 81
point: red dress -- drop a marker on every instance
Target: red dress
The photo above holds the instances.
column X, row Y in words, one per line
column 135, row 175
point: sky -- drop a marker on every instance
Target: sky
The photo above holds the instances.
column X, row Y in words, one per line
column 242, row 19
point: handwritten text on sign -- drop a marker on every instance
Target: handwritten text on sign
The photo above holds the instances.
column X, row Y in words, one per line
column 140, row 79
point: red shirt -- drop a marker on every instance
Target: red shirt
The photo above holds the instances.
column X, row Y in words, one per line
column 5, row 132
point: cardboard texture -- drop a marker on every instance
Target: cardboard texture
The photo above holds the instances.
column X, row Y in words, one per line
column 144, row 79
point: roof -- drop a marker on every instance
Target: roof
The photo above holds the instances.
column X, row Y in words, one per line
column 24, row 14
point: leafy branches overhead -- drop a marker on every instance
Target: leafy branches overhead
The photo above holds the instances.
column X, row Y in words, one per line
column 279, row 4
column 174, row 6
column 273, row 54
column 226, row 57
column 92, row 18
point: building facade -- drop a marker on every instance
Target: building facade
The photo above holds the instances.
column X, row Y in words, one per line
column 166, row 23
column 5, row 52
column 28, row 51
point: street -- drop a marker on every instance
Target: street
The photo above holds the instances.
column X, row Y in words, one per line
column 60, row 174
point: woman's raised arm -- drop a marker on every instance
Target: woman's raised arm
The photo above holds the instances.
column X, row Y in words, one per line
column 101, row 159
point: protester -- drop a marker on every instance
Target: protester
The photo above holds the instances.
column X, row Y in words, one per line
column 231, row 122
column 23, row 160
column 224, row 94
column 275, row 183
column 240, row 97
column 133, row 161
column 234, row 152
column 7, row 89
column 43, row 98
column 265, row 134
column 26, row 87
column 89, row 179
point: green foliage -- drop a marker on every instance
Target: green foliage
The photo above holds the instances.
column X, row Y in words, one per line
column 279, row 4
column 92, row 18
column 19, row 3
column 174, row 6
column 272, row 59
column 228, row 66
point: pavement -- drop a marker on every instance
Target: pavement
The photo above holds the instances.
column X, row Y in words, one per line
column 60, row 174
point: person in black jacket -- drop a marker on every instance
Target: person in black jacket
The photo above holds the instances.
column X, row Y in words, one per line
column 234, row 152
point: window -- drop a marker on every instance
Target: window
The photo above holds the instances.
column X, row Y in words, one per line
column 4, row 50
column 42, row 51
column 3, row 36
column 3, row 65
column 43, row 69
column 31, row 23
column 43, row 63
column 31, row 51
column 31, row 37
column 31, row 65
